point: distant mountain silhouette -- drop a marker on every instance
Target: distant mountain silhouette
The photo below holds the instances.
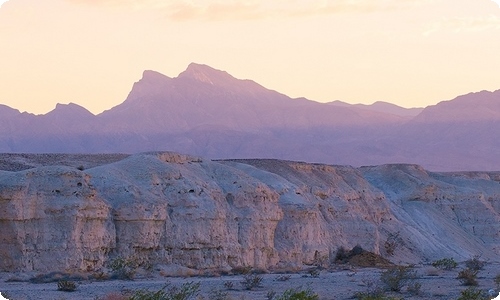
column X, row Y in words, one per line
column 210, row 113
column 383, row 107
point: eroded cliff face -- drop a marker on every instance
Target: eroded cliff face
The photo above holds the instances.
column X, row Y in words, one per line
column 172, row 209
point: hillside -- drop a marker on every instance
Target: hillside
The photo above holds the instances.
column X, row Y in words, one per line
column 172, row 209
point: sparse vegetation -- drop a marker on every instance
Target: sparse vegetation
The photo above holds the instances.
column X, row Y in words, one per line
column 357, row 256
column 445, row 264
column 283, row 277
column 185, row 292
column 124, row 268
column 294, row 294
column 497, row 280
column 314, row 273
column 113, row 296
column 375, row 295
column 472, row 293
column 229, row 285
column 414, row 288
column 475, row 264
column 468, row 277
column 251, row 281
column 217, row 294
column 66, row 286
column 394, row 279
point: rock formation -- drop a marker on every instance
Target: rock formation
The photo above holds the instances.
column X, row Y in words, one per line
column 172, row 209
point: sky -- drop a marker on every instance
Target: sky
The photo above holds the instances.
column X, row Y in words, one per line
column 412, row 53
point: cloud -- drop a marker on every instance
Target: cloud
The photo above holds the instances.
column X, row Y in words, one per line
column 234, row 10
column 2, row 2
column 497, row 2
column 213, row 10
column 465, row 24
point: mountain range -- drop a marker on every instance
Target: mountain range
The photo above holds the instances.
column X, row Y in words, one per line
column 209, row 113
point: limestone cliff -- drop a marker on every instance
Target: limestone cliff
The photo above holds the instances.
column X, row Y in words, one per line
column 173, row 209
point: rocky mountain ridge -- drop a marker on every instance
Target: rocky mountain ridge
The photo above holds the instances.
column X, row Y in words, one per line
column 209, row 113
column 78, row 212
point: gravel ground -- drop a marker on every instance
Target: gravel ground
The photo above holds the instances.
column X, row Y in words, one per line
column 337, row 284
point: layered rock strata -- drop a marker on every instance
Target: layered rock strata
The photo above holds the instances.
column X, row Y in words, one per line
column 172, row 209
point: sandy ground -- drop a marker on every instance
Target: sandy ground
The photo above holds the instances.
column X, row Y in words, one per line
column 337, row 284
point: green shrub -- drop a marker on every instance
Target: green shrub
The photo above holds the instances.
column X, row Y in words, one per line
column 445, row 264
column 124, row 268
column 217, row 294
column 295, row 294
column 251, row 281
column 497, row 280
column 378, row 295
column 186, row 291
column 468, row 277
column 66, row 286
column 395, row 278
column 472, row 293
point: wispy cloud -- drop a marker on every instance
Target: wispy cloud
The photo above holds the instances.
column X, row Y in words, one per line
column 465, row 24
column 212, row 10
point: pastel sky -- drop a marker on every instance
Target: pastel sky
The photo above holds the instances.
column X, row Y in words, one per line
column 90, row 52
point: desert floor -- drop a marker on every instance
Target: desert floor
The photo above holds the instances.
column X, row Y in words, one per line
column 333, row 284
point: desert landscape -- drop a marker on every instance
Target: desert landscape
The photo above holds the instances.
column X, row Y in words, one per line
column 249, row 149
column 164, row 217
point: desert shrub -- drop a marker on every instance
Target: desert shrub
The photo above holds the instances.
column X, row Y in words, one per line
column 100, row 276
column 475, row 264
column 342, row 255
column 376, row 295
column 497, row 280
column 472, row 293
column 294, row 294
column 124, row 268
column 468, row 277
column 186, row 291
column 270, row 295
column 217, row 294
column 414, row 288
column 314, row 273
column 395, row 278
column 66, row 286
column 445, row 264
column 251, row 281
column 113, row 296
column 229, row 285
column 283, row 277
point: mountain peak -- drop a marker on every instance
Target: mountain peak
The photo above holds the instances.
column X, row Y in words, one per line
column 206, row 74
column 153, row 76
column 70, row 109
